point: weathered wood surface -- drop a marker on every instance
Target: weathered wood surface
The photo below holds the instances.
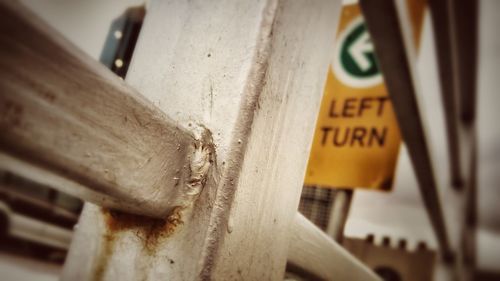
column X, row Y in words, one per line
column 69, row 122
column 252, row 73
column 389, row 26
column 314, row 252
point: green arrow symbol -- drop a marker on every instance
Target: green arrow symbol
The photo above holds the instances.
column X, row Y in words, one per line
column 359, row 49
column 357, row 56
column 354, row 61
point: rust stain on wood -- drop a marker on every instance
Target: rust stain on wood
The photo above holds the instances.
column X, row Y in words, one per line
column 108, row 245
column 151, row 231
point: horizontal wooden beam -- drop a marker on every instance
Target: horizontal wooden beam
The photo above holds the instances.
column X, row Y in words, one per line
column 67, row 120
column 390, row 30
column 316, row 254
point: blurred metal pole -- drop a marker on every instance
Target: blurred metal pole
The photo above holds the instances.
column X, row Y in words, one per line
column 441, row 19
column 338, row 213
column 389, row 26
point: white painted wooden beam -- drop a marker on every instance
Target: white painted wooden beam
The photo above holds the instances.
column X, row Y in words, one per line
column 252, row 73
column 69, row 122
column 389, row 26
column 317, row 254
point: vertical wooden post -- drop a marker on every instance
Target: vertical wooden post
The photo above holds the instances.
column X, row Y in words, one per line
column 250, row 75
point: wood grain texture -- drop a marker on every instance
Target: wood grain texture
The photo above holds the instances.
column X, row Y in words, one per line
column 252, row 73
column 68, row 120
column 314, row 252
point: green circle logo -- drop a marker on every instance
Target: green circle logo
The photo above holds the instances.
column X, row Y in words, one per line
column 354, row 61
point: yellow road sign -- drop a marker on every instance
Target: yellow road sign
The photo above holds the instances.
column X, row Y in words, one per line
column 357, row 139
